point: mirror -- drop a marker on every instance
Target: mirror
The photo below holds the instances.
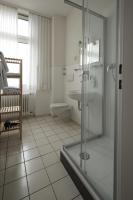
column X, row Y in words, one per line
column 93, row 49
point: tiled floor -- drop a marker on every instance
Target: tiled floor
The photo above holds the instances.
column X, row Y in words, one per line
column 31, row 169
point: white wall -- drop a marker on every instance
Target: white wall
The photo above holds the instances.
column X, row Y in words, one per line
column 44, row 98
column 58, row 58
column 42, row 103
column 73, row 36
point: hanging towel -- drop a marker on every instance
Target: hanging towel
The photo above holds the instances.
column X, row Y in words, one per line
column 3, row 72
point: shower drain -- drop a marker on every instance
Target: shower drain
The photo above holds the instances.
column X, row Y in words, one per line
column 84, row 156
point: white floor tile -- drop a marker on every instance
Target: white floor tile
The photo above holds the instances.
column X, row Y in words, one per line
column 3, row 145
column 16, row 190
column 46, row 193
column 49, row 133
column 50, row 159
column 26, row 198
column 28, row 138
column 45, row 149
column 45, row 128
column 40, row 137
column 2, row 163
column 69, row 140
column 65, row 189
column 53, row 138
column 14, row 150
column 1, row 190
column 2, row 153
column 14, row 159
column 79, row 198
column 57, row 145
column 58, row 130
column 14, row 173
column 37, row 180
column 1, row 178
column 34, row 165
column 77, row 138
column 30, row 154
column 42, row 142
column 56, row 172
column 58, row 153
column 37, row 131
column 29, row 145
column 63, row 135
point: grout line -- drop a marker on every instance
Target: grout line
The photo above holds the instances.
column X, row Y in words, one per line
column 14, row 180
column 15, row 164
column 5, row 168
column 26, row 176
column 50, row 181
column 40, row 189
column 77, row 196
column 25, row 197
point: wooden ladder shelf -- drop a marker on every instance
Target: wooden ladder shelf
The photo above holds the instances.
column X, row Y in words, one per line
column 8, row 109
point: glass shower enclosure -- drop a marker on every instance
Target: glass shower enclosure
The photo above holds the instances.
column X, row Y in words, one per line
column 93, row 156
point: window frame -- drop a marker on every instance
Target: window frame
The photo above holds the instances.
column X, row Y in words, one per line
column 21, row 38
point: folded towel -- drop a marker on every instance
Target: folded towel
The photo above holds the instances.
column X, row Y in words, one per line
column 3, row 72
column 11, row 90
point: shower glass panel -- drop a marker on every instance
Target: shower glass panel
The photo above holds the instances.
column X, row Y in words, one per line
column 94, row 154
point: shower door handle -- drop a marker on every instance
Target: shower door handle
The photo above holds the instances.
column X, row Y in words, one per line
column 120, row 84
column 120, row 74
column 120, row 69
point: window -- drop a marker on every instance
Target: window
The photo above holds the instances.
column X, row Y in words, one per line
column 23, row 27
column 23, row 48
column 23, row 51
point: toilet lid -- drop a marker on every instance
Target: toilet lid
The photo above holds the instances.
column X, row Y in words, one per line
column 56, row 105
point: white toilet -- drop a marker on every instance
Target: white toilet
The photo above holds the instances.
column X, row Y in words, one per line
column 61, row 110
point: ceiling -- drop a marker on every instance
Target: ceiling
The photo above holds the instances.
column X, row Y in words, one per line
column 43, row 7
column 58, row 7
column 103, row 7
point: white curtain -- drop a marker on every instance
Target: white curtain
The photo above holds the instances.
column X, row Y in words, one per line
column 40, row 53
column 36, row 63
column 8, row 31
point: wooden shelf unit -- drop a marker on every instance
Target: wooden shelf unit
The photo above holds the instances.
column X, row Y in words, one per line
column 11, row 109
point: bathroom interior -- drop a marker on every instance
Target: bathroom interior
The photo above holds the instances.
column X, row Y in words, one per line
column 80, row 92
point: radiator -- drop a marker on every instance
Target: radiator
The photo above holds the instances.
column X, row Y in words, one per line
column 25, row 105
column 7, row 101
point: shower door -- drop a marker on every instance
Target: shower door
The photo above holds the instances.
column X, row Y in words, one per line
column 94, row 154
column 97, row 146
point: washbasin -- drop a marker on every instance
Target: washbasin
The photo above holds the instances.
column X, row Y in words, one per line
column 90, row 96
column 75, row 95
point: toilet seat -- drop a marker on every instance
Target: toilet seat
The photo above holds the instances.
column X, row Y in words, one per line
column 59, row 105
column 61, row 110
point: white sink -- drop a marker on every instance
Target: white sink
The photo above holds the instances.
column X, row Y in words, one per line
column 90, row 96
column 75, row 95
